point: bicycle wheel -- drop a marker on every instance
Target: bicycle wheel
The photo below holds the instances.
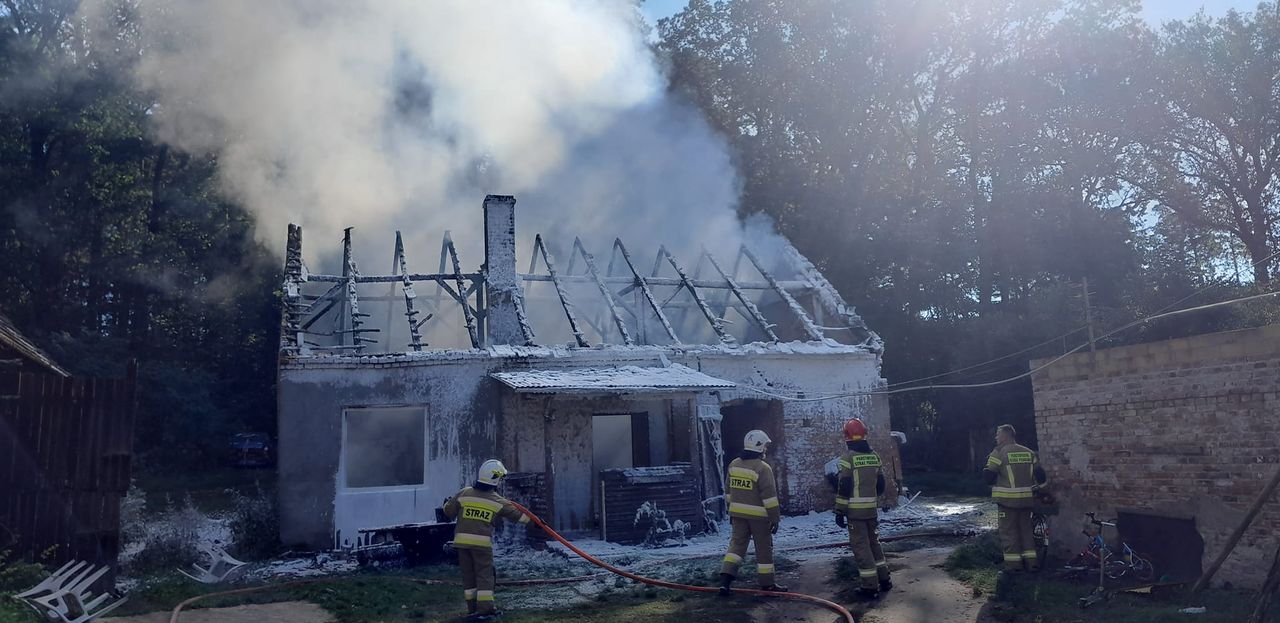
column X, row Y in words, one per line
column 1116, row 569
column 1142, row 568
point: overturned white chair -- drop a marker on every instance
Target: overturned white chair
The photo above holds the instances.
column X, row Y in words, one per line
column 222, row 567
column 64, row 597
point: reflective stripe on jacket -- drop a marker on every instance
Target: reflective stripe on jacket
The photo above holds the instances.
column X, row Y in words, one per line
column 475, row 511
column 858, row 474
column 753, row 493
column 1014, row 467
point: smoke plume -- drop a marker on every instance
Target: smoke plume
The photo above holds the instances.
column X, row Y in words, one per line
column 402, row 114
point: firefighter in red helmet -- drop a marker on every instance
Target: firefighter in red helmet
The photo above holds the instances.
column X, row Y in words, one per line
column 860, row 484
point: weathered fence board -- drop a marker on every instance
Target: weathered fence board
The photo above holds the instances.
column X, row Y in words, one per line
column 66, row 447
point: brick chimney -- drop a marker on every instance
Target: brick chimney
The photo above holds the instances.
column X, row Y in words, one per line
column 502, row 283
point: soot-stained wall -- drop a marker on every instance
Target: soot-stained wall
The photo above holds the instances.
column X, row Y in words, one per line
column 471, row 417
column 313, row 396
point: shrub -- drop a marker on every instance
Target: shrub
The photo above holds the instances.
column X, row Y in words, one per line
column 170, row 541
column 255, row 525
column 133, row 526
column 17, row 575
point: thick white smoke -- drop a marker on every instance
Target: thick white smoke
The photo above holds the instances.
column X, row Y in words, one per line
column 402, row 114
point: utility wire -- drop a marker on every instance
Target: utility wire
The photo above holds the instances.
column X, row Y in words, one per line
column 1070, row 333
column 991, row 361
column 887, row 391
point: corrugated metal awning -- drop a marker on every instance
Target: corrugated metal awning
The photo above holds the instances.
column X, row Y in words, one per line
column 622, row 380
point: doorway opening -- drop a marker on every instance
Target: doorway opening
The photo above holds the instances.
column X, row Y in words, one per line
column 1172, row 544
column 740, row 417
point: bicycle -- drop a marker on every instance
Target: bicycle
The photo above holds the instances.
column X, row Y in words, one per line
column 1111, row 563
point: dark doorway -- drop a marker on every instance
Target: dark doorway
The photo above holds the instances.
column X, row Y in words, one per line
column 743, row 416
column 1171, row 543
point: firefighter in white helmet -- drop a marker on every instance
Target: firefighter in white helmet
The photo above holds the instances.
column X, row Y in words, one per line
column 476, row 507
column 753, row 513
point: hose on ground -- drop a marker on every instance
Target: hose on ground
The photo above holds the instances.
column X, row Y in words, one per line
column 831, row 605
column 177, row 610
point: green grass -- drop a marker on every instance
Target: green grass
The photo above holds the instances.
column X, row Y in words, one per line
column 390, row 598
column 974, row 563
column 357, row 597
column 1046, row 599
column 12, row 611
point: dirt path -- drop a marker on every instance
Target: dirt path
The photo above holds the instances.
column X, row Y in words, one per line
column 283, row 612
column 812, row 578
column 922, row 592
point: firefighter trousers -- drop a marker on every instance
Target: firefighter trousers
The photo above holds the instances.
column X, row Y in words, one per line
column 744, row 531
column 1017, row 539
column 864, row 540
column 477, row 579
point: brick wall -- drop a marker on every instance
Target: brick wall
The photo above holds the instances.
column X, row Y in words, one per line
column 813, row 437
column 1186, row 428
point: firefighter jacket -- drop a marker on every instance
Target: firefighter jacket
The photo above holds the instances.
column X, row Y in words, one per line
column 753, row 493
column 1016, row 469
column 475, row 510
column 861, row 482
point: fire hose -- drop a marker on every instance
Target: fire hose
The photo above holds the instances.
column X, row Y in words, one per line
column 848, row 617
column 681, row 587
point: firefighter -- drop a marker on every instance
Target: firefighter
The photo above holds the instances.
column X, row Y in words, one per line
column 1015, row 475
column 861, row 483
column 476, row 507
column 753, row 513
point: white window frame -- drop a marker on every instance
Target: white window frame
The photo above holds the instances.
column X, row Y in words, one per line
column 342, row 458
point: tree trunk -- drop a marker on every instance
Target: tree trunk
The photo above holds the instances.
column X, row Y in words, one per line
column 1259, row 255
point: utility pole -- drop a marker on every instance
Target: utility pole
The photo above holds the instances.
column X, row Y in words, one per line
column 1088, row 314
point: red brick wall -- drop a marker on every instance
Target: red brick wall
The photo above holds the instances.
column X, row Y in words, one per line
column 1187, row 427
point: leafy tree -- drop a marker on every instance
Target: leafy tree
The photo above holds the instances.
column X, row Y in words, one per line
column 1211, row 158
column 116, row 248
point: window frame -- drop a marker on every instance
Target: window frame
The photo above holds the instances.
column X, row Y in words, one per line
column 342, row 477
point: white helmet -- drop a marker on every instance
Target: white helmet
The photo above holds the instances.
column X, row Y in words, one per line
column 756, row 441
column 492, row 472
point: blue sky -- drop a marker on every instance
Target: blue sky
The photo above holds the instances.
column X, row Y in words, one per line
column 1156, row 11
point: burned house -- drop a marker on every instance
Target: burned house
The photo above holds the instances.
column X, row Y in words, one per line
column 612, row 391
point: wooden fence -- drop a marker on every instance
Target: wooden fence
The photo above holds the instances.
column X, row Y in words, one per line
column 66, row 447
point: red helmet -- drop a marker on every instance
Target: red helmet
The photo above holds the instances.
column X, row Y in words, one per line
column 855, row 430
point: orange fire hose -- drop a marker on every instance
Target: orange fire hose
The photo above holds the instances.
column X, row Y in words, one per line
column 682, row 587
column 177, row 610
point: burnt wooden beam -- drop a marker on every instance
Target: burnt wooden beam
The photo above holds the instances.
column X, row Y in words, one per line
column 395, row 278
column 644, row 289
column 291, row 315
column 354, row 319
column 406, row 287
column 752, row 310
column 809, row 327
column 590, row 263
column 459, row 280
column 717, row 324
column 565, row 302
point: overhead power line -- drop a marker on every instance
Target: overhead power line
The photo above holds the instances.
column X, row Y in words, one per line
column 887, row 391
column 1066, row 335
